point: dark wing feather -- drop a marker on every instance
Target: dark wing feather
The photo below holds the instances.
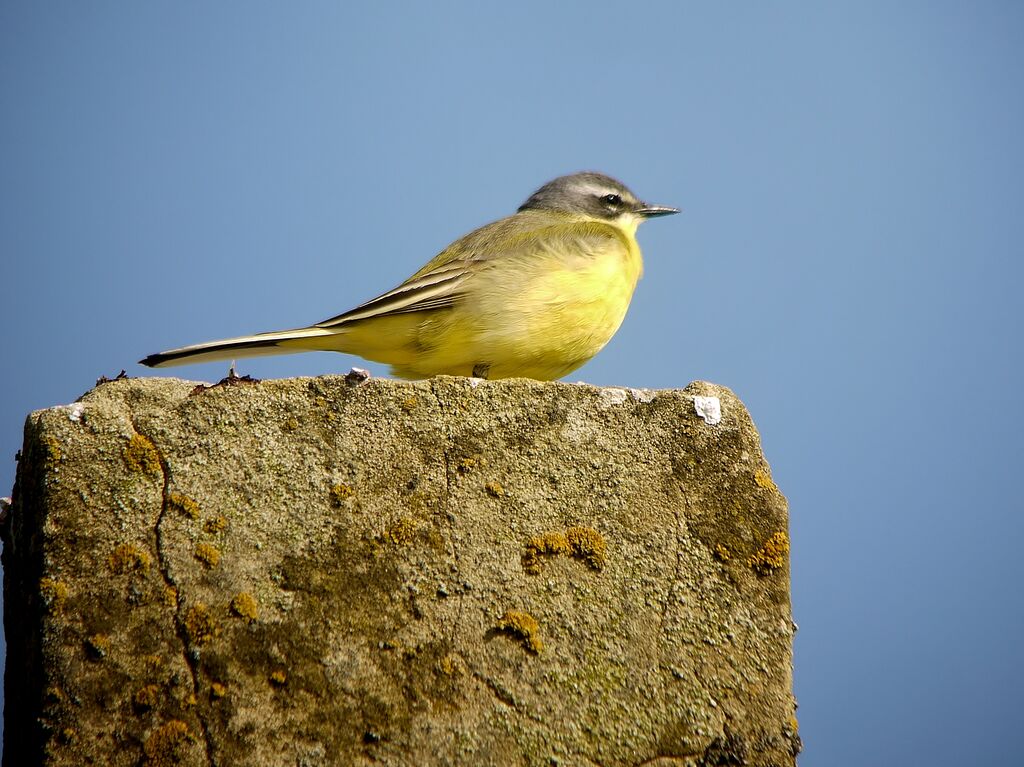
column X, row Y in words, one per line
column 434, row 290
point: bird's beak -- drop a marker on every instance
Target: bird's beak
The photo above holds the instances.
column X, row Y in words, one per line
column 652, row 211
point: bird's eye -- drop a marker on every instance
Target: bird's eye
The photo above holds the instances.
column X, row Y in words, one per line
column 612, row 199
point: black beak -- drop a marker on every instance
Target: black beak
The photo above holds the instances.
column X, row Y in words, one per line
column 652, row 211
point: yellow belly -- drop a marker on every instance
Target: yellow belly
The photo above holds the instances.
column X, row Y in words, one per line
column 539, row 316
column 544, row 324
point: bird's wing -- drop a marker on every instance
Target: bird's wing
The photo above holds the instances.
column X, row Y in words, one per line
column 434, row 290
column 438, row 284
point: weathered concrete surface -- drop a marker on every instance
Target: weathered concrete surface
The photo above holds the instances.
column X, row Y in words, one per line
column 306, row 572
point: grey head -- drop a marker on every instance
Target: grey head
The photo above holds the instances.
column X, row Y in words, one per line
column 594, row 195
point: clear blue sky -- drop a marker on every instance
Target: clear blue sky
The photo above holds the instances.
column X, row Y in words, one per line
column 849, row 259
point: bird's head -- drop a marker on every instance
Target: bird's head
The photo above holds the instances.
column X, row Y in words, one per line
column 595, row 196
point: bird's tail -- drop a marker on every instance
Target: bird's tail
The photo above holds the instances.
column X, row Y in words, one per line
column 281, row 342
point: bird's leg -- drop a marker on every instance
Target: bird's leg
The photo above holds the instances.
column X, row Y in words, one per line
column 481, row 369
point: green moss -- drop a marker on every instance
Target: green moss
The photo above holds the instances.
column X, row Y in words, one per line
column 141, row 456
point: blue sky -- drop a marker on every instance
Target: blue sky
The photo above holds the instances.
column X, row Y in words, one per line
column 848, row 259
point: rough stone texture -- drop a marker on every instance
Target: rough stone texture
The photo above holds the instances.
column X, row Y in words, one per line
column 311, row 572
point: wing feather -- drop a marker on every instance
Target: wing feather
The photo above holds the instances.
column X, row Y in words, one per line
column 440, row 283
column 434, row 290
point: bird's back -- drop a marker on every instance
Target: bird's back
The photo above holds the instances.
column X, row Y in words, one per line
column 544, row 293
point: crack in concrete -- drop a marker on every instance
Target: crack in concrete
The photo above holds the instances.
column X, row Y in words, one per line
column 446, row 506
column 670, row 592
column 504, row 696
column 163, row 565
column 497, row 690
column 446, row 511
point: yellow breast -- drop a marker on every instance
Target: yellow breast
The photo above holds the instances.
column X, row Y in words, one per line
column 567, row 307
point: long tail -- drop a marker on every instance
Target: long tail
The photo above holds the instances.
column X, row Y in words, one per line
column 243, row 346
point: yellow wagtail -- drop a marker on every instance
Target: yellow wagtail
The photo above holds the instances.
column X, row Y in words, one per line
column 536, row 295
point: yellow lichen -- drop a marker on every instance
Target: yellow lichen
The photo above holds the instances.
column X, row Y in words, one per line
column 152, row 663
column 278, row 677
column 340, row 493
column 243, row 604
column 215, row 525
column 409, row 404
column 218, row 690
column 129, row 558
column 53, row 593
column 540, row 546
column 170, row 596
column 772, row 555
column 183, row 504
column 98, row 645
column 55, row 694
column 466, row 465
column 448, row 665
column 321, row 402
column 147, row 697
column 200, row 625
column 722, row 553
column 291, row 424
column 764, row 479
column 165, row 746
column 494, row 489
column 141, row 456
column 208, row 555
column 523, row 627
column 400, row 533
column 588, row 546
column 52, row 448
column 582, row 543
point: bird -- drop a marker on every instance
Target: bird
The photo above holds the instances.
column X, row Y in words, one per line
column 533, row 295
